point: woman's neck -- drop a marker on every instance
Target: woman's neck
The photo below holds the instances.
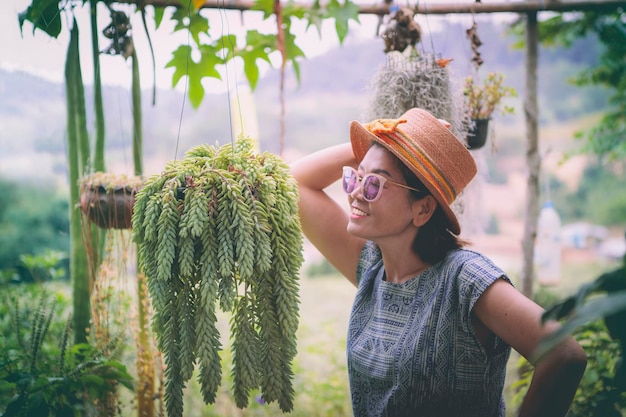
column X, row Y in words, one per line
column 402, row 265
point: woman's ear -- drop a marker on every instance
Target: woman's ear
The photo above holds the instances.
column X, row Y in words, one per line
column 423, row 210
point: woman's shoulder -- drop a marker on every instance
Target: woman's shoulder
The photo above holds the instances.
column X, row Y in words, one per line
column 469, row 264
column 370, row 256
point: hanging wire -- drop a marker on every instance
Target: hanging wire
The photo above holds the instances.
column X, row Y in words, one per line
column 182, row 108
column 224, row 18
column 432, row 44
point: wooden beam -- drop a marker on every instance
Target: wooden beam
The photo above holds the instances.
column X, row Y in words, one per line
column 519, row 6
column 427, row 8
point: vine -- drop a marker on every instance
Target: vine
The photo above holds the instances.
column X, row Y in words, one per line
column 221, row 226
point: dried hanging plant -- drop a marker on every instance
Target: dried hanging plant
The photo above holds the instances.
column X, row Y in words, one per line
column 408, row 80
column 222, row 224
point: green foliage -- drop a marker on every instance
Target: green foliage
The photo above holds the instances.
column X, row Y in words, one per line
column 221, row 225
column 606, row 138
column 41, row 374
column 321, row 268
column 216, row 52
column 44, row 267
column 599, row 197
column 587, row 305
column 595, row 315
column 33, row 222
column 44, row 15
column 254, row 48
column 598, row 395
column 342, row 13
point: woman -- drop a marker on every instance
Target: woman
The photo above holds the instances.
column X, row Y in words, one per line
column 432, row 324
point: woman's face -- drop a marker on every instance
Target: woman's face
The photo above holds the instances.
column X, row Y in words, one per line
column 392, row 214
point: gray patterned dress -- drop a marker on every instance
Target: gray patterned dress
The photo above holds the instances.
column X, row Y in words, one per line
column 411, row 346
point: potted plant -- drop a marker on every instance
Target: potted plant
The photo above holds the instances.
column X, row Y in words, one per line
column 107, row 199
column 481, row 100
column 221, row 225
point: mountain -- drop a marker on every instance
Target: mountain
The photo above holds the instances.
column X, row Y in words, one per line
column 333, row 90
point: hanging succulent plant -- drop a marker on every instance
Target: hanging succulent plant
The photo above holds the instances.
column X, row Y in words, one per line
column 222, row 225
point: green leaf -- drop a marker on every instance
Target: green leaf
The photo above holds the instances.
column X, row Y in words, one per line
column 293, row 10
column 315, row 17
column 258, row 46
column 195, row 23
column 342, row 15
column 195, row 71
column 292, row 51
column 159, row 12
column 44, row 15
column 181, row 57
column 593, row 310
column 266, row 6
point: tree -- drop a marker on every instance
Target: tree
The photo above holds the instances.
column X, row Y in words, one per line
column 606, row 139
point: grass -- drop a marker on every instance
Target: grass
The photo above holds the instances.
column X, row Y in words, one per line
column 320, row 374
column 320, row 380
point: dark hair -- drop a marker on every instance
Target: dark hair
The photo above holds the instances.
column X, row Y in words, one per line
column 434, row 239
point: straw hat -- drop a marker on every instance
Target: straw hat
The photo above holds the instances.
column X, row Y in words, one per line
column 426, row 145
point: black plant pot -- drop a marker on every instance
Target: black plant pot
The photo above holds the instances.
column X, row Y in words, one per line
column 477, row 133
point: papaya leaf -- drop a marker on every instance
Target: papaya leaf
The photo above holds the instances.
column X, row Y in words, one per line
column 293, row 10
column 342, row 15
column 266, row 6
column 315, row 17
column 292, row 51
column 180, row 58
column 258, row 46
column 195, row 23
column 44, row 15
column 195, row 71
column 159, row 12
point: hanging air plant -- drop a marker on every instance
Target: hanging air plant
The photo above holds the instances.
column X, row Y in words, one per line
column 408, row 79
column 222, row 225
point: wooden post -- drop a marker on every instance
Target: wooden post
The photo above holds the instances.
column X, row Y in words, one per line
column 533, row 159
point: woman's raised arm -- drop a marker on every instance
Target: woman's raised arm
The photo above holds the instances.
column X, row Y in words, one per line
column 323, row 220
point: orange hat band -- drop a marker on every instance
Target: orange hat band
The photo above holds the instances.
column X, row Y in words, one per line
column 387, row 131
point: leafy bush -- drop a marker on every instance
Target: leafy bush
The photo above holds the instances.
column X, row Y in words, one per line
column 33, row 220
column 596, row 198
column 595, row 316
column 41, row 374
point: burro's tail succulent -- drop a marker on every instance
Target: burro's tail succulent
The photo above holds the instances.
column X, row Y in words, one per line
column 221, row 228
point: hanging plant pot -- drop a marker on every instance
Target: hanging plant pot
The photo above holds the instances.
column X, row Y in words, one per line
column 221, row 228
column 108, row 199
column 477, row 133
